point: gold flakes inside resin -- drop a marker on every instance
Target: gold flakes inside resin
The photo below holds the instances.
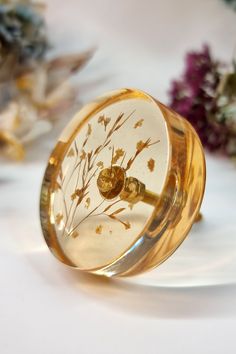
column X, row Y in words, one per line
column 89, row 131
column 59, row 218
column 140, row 146
column 83, row 155
column 144, row 144
column 86, row 164
column 99, row 229
column 87, row 203
column 151, row 165
column 74, row 234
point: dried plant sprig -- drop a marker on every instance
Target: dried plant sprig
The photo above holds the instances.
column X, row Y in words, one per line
column 118, row 154
column 104, row 121
column 89, row 166
column 86, row 168
column 140, row 146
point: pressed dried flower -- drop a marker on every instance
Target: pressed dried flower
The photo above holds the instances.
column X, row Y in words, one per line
column 118, row 154
column 104, row 121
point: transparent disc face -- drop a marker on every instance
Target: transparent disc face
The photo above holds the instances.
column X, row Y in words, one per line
column 94, row 225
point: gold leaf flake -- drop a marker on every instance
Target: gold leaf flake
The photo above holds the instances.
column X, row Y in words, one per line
column 118, row 154
column 151, row 165
column 127, row 225
column 87, row 203
column 104, row 120
column 139, row 123
column 100, row 119
column 71, row 152
column 83, row 155
column 59, row 218
column 89, row 131
column 74, row 234
column 100, row 164
column 73, row 196
column 98, row 229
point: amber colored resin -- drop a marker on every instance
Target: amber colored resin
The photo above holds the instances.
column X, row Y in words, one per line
column 123, row 185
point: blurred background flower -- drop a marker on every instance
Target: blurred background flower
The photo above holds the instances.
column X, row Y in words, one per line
column 231, row 3
column 34, row 92
column 22, row 35
column 206, row 95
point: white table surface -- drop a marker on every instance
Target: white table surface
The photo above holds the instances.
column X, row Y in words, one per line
column 187, row 305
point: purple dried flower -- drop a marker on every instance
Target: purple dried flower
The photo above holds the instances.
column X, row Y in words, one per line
column 193, row 96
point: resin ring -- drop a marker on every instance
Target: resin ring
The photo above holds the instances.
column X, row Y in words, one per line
column 123, row 185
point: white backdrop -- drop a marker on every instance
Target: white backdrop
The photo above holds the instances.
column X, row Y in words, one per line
column 142, row 43
column 188, row 305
